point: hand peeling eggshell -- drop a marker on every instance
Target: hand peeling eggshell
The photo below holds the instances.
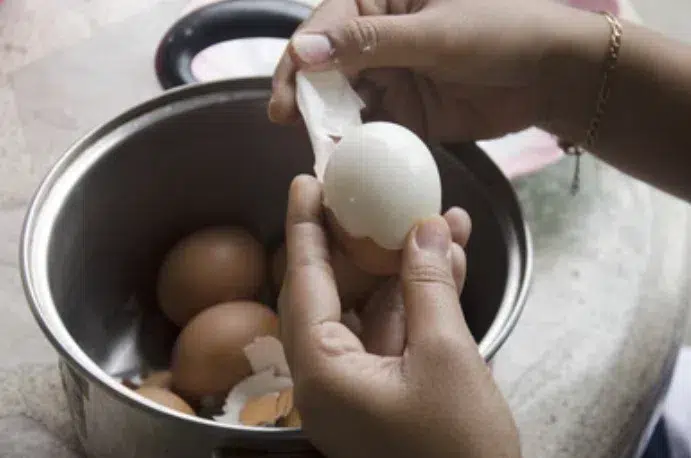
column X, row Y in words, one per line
column 266, row 353
column 251, row 387
column 329, row 106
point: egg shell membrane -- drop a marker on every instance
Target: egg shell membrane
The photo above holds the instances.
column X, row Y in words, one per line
column 267, row 352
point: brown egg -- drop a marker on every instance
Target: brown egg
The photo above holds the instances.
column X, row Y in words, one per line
column 364, row 252
column 165, row 398
column 161, row 379
column 208, row 267
column 208, row 358
column 352, row 282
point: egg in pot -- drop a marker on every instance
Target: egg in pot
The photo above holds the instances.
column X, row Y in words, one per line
column 210, row 266
column 208, row 358
column 165, row 398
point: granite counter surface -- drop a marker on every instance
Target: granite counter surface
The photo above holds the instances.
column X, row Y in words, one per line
column 588, row 361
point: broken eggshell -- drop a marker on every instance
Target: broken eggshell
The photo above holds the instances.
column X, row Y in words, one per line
column 267, row 352
column 329, row 106
column 259, row 393
column 267, row 410
column 254, row 386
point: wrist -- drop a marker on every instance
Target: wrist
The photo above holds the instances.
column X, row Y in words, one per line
column 572, row 71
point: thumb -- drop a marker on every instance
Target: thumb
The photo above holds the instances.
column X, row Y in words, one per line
column 430, row 294
column 364, row 42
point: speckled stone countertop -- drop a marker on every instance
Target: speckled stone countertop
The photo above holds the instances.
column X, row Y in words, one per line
column 583, row 371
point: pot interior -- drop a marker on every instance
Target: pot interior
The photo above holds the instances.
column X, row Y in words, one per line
column 214, row 161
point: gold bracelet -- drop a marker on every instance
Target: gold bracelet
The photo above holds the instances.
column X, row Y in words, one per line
column 603, row 95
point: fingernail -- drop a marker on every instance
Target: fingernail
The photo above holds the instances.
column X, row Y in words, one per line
column 433, row 235
column 313, row 49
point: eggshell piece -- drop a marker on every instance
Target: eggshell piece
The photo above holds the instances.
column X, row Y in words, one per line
column 209, row 358
column 213, row 265
column 260, row 411
column 254, row 386
column 268, row 409
column 165, row 398
column 265, row 353
column 292, row 420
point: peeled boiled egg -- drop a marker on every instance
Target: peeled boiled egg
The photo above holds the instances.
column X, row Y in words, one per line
column 165, row 398
column 352, row 282
column 209, row 358
column 380, row 180
column 210, row 266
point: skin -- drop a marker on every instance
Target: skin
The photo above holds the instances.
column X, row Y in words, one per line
column 356, row 403
column 454, row 70
column 470, row 70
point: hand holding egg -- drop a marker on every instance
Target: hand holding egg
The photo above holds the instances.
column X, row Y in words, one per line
column 350, row 399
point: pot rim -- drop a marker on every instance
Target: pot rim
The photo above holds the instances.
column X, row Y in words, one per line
column 47, row 201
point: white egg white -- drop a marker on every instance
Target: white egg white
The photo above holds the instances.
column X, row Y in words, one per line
column 381, row 180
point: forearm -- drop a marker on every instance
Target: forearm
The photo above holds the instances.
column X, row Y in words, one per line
column 646, row 127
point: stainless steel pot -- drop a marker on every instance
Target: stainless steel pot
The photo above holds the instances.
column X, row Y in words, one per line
column 104, row 216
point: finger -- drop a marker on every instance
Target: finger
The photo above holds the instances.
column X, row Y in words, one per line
column 429, row 289
column 309, row 296
column 361, row 42
column 458, row 266
column 383, row 321
column 460, row 225
column 282, row 107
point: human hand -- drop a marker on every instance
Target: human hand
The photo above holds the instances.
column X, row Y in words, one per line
column 450, row 70
column 382, row 327
column 436, row 399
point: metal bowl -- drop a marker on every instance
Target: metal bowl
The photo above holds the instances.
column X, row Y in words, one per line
column 102, row 220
